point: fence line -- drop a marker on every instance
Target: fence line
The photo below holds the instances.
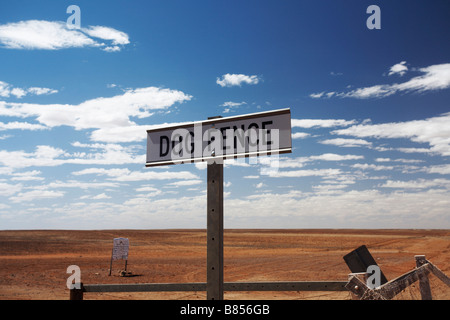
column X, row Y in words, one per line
column 77, row 294
column 392, row 288
column 356, row 285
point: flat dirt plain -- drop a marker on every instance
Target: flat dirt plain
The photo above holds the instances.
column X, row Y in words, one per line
column 33, row 264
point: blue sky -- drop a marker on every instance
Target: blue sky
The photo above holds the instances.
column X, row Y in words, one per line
column 370, row 112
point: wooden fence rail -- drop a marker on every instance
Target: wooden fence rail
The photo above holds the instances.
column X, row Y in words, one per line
column 392, row 288
column 77, row 294
column 356, row 285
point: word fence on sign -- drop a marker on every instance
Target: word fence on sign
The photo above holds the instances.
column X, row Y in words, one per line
column 263, row 133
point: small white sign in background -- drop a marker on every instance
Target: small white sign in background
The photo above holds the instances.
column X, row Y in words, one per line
column 120, row 249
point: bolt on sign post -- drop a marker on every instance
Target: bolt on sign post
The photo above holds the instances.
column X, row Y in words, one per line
column 214, row 140
column 119, row 251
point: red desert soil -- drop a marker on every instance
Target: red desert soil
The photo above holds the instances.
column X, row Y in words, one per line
column 33, row 264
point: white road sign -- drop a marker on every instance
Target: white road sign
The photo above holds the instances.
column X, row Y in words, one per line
column 256, row 134
column 120, row 249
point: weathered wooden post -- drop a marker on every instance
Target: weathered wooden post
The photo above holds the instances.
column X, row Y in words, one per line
column 424, row 284
column 76, row 293
column 214, row 274
column 357, row 288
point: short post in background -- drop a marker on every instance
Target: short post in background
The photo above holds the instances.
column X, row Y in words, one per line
column 76, row 293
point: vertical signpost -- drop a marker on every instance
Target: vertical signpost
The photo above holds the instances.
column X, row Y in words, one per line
column 214, row 256
column 213, row 140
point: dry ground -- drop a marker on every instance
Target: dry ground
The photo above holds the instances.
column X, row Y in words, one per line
column 33, row 264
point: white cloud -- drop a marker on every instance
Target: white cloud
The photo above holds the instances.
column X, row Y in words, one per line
column 336, row 157
column 78, row 185
column 111, row 49
column 43, row 156
column 435, row 77
column 433, row 131
column 347, row 142
column 398, row 160
column 230, row 80
column 40, row 91
column 100, row 196
column 304, row 173
column 300, row 135
column 184, row 183
column 48, row 156
column 260, row 185
column 399, row 68
column 7, row 189
column 110, row 116
column 344, row 209
column 56, row 35
column 105, row 33
column 414, row 150
column 441, row 169
column 317, row 95
column 321, row 123
column 18, row 92
column 7, row 90
column 36, row 195
column 127, row 175
column 27, row 176
column 417, row 184
column 21, row 126
column 365, row 166
column 287, row 162
column 231, row 105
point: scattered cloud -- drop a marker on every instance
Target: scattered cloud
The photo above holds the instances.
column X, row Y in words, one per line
column 435, row 77
column 398, row 160
column 36, row 195
column 48, row 156
column 321, row 123
column 399, row 68
column 184, row 183
column 299, row 135
column 100, row 196
column 229, row 106
column 365, row 166
column 21, row 126
column 336, row 157
column 27, row 176
column 7, row 90
column 230, row 80
column 111, row 116
column 56, row 35
column 441, row 169
column 260, row 185
column 126, row 175
column 417, row 184
column 304, row 173
column 434, row 131
column 341, row 142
